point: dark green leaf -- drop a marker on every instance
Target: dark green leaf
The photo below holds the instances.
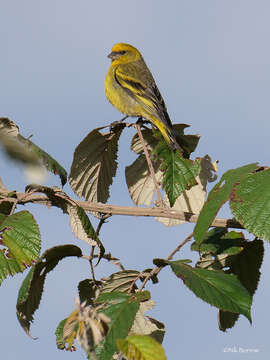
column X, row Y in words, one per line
column 217, row 197
column 246, row 266
column 19, row 234
column 32, row 287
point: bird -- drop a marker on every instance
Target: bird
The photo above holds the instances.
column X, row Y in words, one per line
column 131, row 89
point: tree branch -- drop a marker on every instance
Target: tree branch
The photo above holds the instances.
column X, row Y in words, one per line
column 24, row 198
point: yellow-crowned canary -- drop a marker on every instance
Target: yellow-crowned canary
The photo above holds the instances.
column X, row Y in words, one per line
column 131, row 88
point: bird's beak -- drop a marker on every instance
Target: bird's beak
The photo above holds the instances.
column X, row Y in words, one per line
column 112, row 55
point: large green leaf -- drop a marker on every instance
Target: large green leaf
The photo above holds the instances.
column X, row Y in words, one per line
column 94, row 165
column 250, row 203
column 32, row 287
column 218, row 196
column 222, row 290
column 141, row 347
column 121, row 308
column 179, row 173
column 19, row 234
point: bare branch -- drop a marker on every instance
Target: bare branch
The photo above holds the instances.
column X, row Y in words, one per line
column 130, row 210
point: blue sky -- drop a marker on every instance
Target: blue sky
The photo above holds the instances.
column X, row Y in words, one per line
column 210, row 60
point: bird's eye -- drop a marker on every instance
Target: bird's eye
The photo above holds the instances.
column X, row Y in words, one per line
column 122, row 52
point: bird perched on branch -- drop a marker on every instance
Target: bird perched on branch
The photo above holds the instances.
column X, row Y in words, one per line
column 131, row 88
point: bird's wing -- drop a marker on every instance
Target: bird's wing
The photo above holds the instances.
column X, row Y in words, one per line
column 143, row 91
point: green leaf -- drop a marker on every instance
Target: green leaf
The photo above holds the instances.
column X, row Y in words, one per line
column 217, row 197
column 19, row 233
column 94, row 165
column 32, row 287
column 141, row 347
column 246, row 266
column 179, row 173
column 121, row 308
column 215, row 287
column 250, row 203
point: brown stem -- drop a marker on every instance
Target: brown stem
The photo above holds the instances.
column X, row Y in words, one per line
column 91, row 262
column 150, row 165
column 157, row 269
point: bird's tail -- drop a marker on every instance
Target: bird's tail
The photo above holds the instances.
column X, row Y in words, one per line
column 175, row 140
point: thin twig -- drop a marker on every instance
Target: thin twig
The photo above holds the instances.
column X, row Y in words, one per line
column 157, row 269
column 150, row 165
column 107, row 257
column 91, row 263
column 187, row 239
column 102, row 220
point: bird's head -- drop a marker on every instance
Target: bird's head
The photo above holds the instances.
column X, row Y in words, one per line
column 124, row 53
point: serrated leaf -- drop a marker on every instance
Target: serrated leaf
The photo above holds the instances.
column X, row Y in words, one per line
column 94, row 165
column 121, row 308
column 250, row 203
column 217, row 197
column 83, row 229
column 25, row 151
column 246, row 266
column 179, row 173
column 120, row 281
column 222, row 290
column 31, row 290
column 192, row 200
column 141, row 347
column 19, row 233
